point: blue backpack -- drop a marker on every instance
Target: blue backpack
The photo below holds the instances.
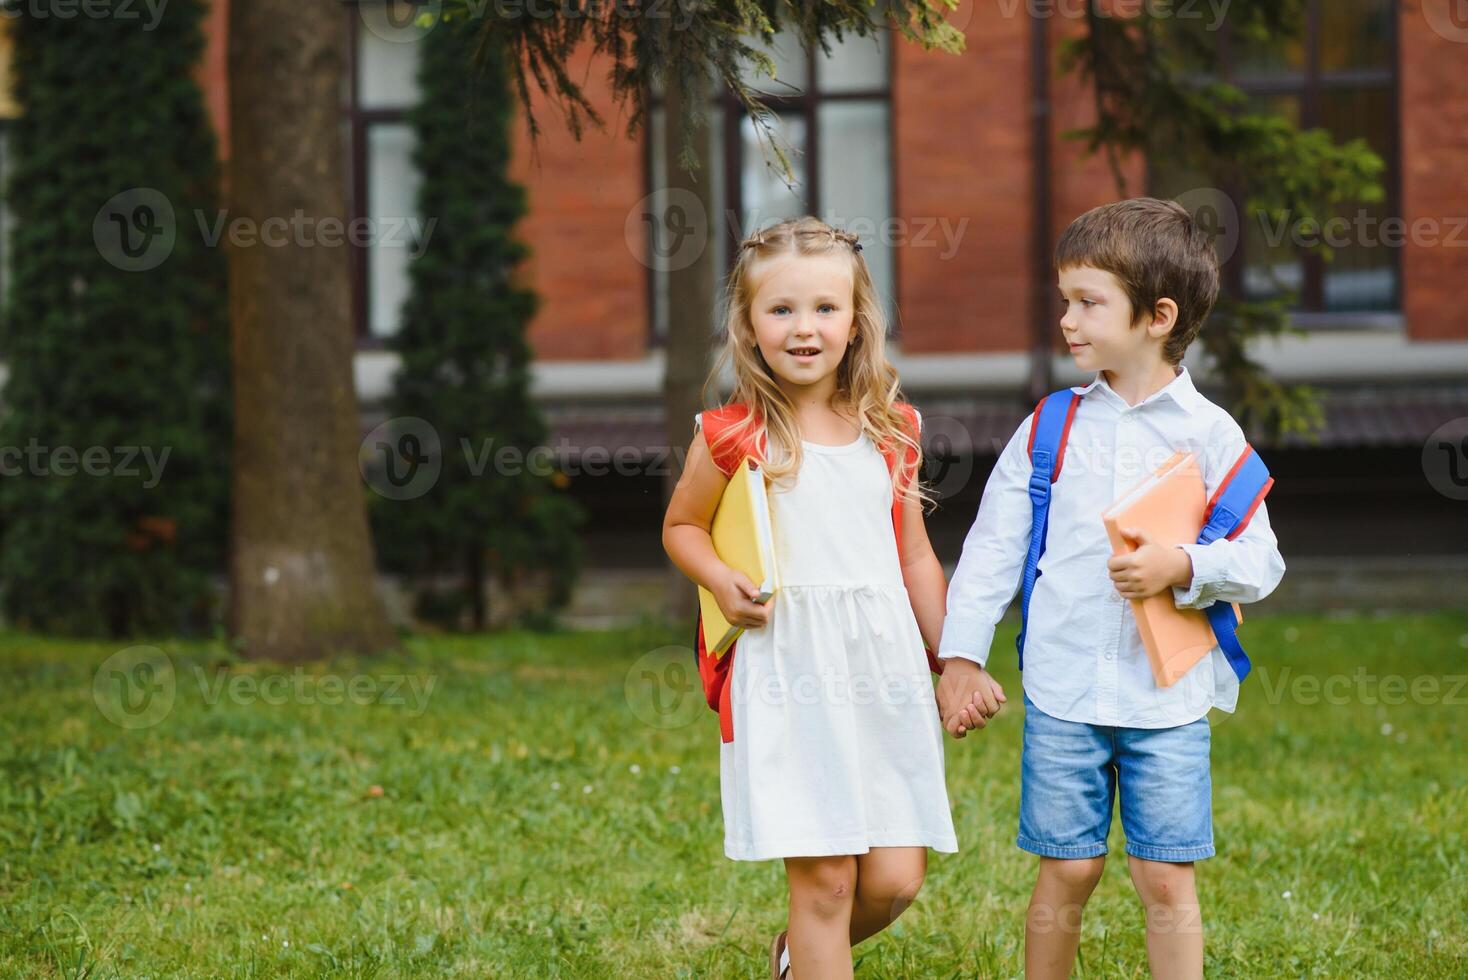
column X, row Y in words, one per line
column 1242, row 491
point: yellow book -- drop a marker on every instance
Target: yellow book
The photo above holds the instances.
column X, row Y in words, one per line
column 744, row 540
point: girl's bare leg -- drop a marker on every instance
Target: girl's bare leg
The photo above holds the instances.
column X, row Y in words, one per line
column 822, row 892
column 887, row 882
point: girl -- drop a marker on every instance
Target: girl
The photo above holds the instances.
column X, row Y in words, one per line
column 832, row 756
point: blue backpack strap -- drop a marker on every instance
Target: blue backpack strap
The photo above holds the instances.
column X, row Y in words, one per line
column 1048, row 433
column 1233, row 504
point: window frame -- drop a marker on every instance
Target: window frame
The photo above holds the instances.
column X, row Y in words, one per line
column 360, row 121
column 807, row 106
column 1307, row 84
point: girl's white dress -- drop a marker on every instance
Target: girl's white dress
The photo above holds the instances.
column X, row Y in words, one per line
column 838, row 747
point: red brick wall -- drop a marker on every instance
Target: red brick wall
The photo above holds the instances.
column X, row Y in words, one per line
column 961, row 139
column 1434, row 134
column 1078, row 182
column 962, row 133
column 592, row 286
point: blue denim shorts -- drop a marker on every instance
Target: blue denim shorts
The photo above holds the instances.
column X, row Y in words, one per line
column 1070, row 775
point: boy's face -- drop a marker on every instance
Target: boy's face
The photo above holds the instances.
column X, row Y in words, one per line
column 1098, row 322
column 803, row 314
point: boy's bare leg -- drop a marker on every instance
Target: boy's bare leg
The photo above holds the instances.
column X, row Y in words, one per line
column 887, row 882
column 822, row 891
column 1053, row 922
column 1174, row 918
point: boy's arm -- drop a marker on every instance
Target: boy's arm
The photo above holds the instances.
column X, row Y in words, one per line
column 994, row 551
column 1245, row 569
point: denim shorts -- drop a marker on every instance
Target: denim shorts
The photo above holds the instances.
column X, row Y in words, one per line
column 1071, row 772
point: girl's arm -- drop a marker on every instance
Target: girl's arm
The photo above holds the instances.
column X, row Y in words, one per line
column 922, row 574
column 686, row 539
column 967, row 696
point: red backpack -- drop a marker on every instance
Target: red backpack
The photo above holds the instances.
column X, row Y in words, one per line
column 715, row 672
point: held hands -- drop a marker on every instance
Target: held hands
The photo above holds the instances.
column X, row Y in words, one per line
column 734, row 592
column 967, row 696
column 1150, row 569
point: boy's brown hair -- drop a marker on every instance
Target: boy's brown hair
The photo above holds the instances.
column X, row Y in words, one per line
column 1156, row 250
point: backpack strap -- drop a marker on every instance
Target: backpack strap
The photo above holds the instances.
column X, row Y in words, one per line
column 1049, row 432
column 1228, row 513
column 728, row 452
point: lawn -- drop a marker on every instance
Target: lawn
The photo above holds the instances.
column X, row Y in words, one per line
column 547, row 805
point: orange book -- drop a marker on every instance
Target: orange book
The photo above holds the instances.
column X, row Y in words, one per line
column 1168, row 505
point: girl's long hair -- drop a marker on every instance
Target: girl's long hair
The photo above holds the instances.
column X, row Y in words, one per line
column 867, row 386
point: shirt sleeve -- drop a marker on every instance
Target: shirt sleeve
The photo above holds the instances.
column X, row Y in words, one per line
column 988, row 572
column 1246, row 569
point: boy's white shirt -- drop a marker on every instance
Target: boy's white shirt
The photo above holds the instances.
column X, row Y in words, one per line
column 1083, row 659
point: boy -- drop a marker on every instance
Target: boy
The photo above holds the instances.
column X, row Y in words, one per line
column 1137, row 280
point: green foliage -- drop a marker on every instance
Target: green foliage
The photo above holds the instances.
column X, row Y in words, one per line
column 687, row 44
column 532, row 824
column 497, row 509
column 111, row 372
column 1157, row 95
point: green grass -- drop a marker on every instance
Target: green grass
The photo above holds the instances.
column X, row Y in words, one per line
column 536, row 820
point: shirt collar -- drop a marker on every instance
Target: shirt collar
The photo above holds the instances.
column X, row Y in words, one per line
column 1180, row 389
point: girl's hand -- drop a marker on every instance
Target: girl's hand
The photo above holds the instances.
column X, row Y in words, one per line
column 967, row 697
column 735, row 594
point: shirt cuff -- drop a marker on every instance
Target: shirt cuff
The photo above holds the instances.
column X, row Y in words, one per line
column 973, row 645
column 1208, row 572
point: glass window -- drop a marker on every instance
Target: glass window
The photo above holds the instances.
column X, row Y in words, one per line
column 856, row 163
column 384, row 188
column 833, row 121
column 765, row 194
column 1363, row 273
column 1337, row 74
column 392, row 197
column 1356, row 34
column 387, row 68
column 856, row 65
column 792, row 67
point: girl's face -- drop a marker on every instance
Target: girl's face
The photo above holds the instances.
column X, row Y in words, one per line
column 803, row 315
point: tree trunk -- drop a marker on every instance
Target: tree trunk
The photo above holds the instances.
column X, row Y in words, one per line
column 690, row 320
column 301, row 560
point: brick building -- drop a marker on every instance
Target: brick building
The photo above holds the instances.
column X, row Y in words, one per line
column 937, row 162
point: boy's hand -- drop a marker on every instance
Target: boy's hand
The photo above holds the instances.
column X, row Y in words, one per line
column 1150, row 569
column 967, row 696
column 735, row 593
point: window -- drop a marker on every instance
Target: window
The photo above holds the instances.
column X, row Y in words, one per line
column 833, row 120
column 384, row 188
column 1339, row 75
